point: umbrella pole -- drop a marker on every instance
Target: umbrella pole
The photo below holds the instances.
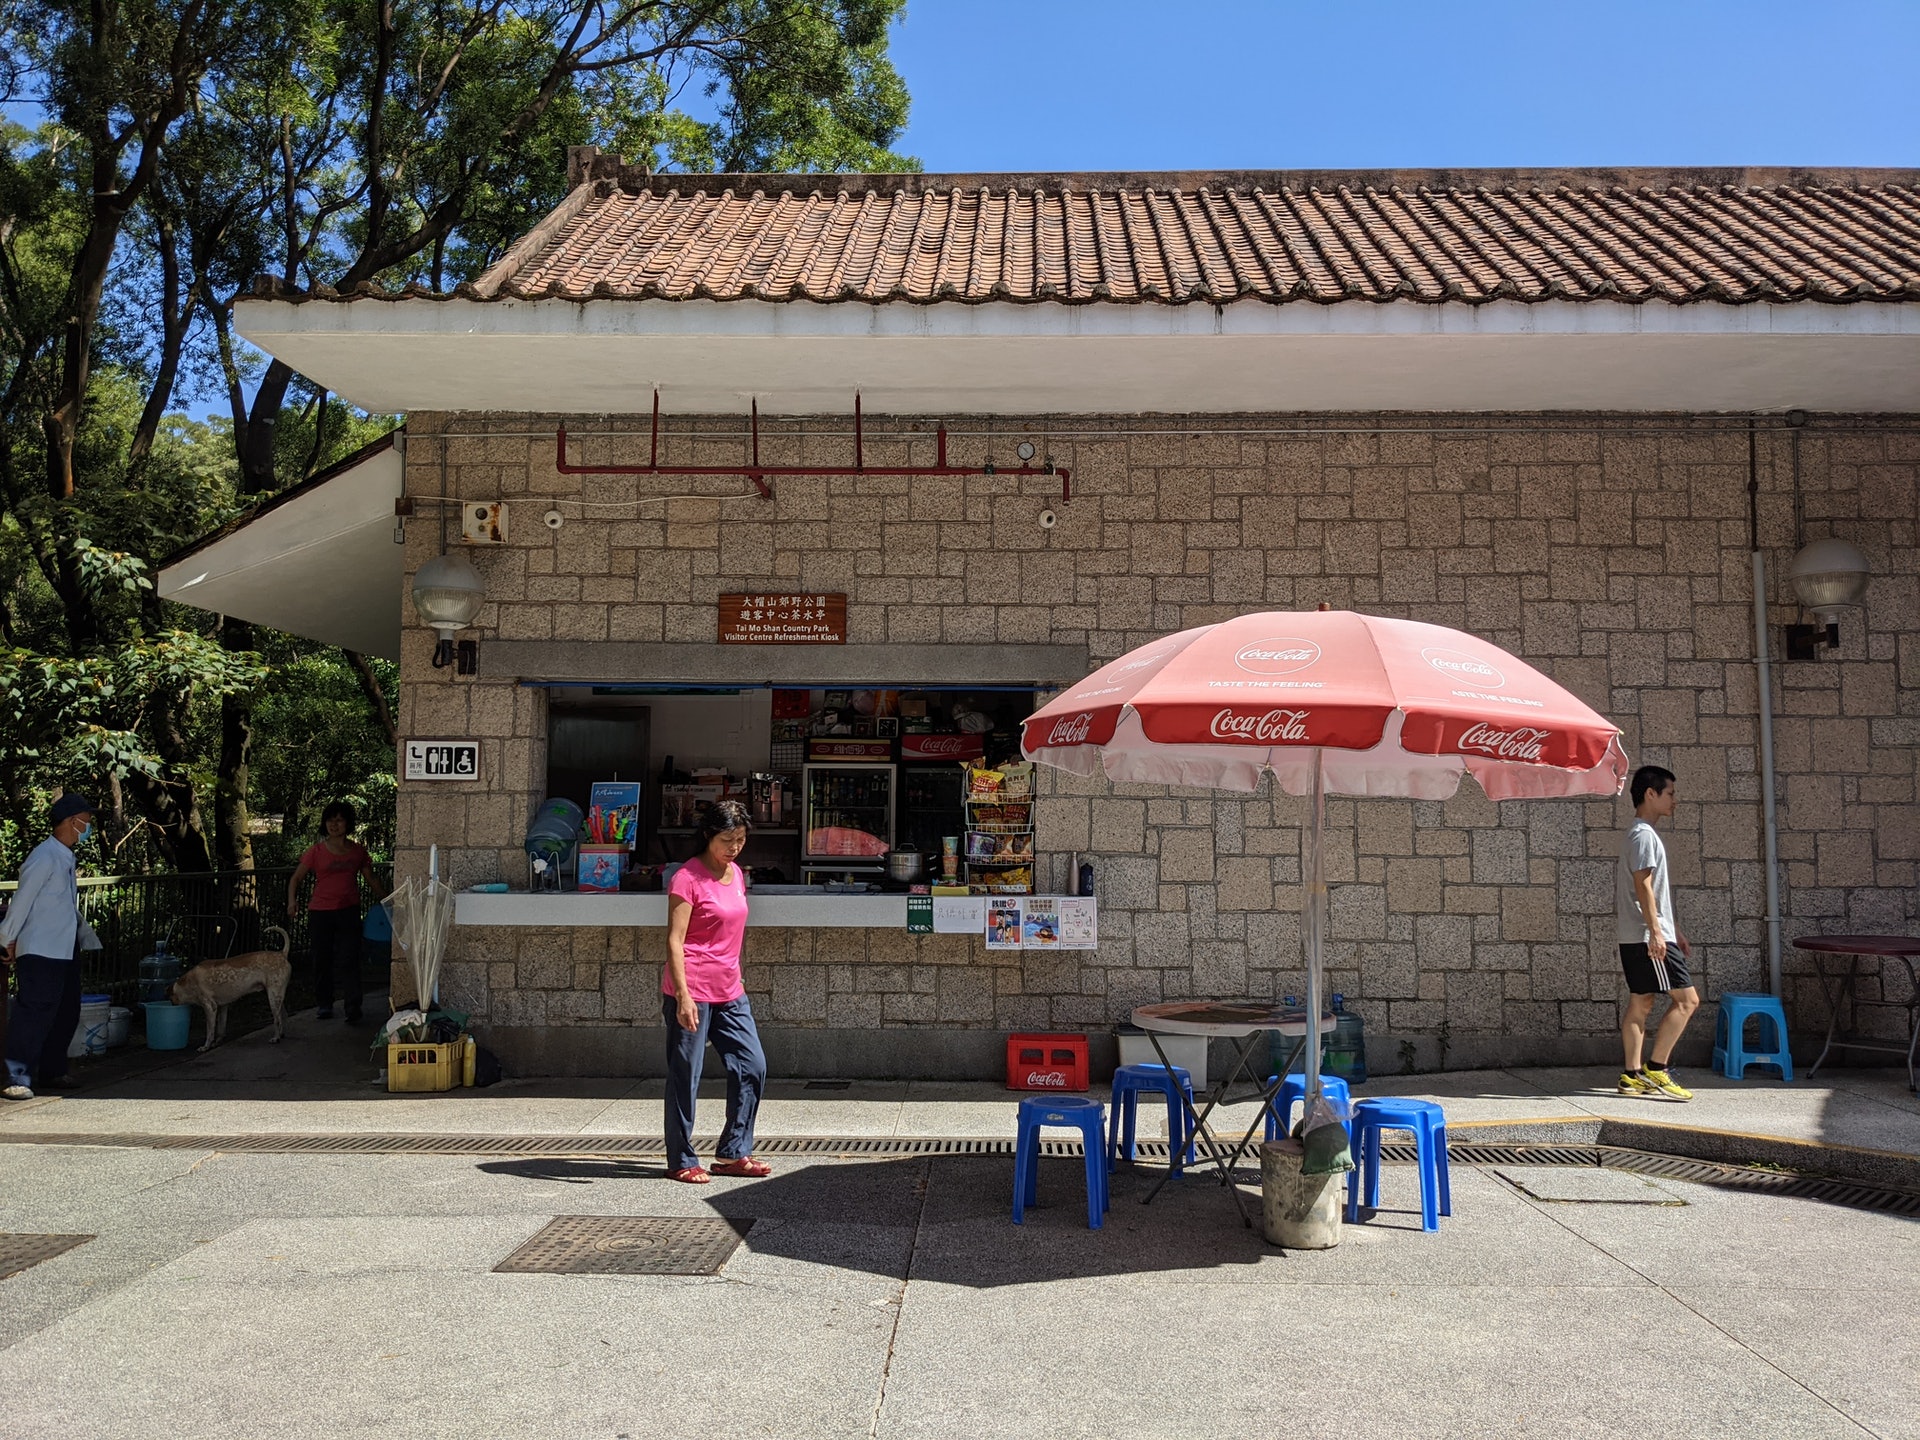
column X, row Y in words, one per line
column 1313, row 917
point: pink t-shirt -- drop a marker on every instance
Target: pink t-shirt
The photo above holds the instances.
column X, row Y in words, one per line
column 715, row 932
column 336, row 878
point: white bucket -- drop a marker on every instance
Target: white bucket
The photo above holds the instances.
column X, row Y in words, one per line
column 90, row 1035
column 119, row 1026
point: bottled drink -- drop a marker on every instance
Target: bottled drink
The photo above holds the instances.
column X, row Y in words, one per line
column 1339, row 1004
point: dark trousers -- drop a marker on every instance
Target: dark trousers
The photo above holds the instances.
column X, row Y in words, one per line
column 45, row 1014
column 730, row 1027
column 334, row 938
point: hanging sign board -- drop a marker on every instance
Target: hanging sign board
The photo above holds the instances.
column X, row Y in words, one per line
column 440, row 760
column 783, row 618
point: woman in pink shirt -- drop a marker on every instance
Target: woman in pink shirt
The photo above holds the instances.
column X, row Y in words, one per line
column 337, row 862
column 702, row 998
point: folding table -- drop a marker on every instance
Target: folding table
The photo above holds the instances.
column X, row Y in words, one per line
column 1839, row 989
column 1242, row 1020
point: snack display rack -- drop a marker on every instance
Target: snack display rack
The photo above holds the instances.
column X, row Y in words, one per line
column 999, row 839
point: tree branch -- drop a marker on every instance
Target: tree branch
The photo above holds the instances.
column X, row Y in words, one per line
column 376, row 696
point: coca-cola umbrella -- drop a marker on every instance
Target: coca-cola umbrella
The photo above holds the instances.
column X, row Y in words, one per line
column 1331, row 702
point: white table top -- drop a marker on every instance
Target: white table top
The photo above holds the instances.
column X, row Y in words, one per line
column 1232, row 1018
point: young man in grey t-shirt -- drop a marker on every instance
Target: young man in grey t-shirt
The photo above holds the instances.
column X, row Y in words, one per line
column 1653, row 952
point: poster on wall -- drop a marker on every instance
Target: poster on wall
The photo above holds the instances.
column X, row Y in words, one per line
column 1003, row 923
column 1079, row 922
column 1039, row 924
column 613, row 813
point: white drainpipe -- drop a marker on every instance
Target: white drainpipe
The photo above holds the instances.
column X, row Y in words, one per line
column 1763, row 665
column 1769, row 821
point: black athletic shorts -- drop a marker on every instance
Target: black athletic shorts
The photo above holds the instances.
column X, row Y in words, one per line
column 1646, row 976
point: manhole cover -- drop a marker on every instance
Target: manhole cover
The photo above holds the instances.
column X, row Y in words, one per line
column 1573, row 1185
column 627, row 1245
column 23, row 1252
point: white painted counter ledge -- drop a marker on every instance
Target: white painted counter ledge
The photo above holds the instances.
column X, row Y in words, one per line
column 846, row 912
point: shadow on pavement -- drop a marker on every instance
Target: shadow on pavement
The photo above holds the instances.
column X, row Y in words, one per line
column 948, row 1218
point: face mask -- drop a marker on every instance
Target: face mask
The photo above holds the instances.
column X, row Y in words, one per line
column 85, row 831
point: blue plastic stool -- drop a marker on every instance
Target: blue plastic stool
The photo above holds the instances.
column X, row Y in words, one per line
column 1294, row 1092
column 1730, row 1054
column 1086, row 1116
column 1428, row 1124
column 1128, row 1083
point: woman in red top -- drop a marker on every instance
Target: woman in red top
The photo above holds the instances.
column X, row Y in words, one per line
column 336, row 863
column 702, row 998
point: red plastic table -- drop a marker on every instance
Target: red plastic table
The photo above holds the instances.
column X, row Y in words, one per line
column 1839, row 989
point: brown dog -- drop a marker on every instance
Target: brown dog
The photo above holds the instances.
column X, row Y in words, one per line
column 214, row 985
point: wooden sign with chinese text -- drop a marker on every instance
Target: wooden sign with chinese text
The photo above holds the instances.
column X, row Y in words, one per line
column 783, row 617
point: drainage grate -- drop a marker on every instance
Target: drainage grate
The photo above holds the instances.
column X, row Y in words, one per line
column 1852, row 1194
column 829, row 1084
column 627, row 1245
column 23, row 1252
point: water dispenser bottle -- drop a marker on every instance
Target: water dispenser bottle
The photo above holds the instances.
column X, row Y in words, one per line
column 158, row 971
column 551, row 838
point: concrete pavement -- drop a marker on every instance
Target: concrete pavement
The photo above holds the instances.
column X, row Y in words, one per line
column 241, row 1294
column 322, row 1080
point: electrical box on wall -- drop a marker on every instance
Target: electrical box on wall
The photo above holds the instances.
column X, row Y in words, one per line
column 483, row 523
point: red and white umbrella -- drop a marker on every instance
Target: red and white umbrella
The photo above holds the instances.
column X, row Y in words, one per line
column 1333, row 702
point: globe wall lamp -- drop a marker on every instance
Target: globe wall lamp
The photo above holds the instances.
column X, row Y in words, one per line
column 447, row 594
column 1829, row 576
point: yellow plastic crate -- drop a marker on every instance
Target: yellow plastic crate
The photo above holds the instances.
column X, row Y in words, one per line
column 418, row 1067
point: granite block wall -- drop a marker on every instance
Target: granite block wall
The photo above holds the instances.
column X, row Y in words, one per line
column 1612, row 553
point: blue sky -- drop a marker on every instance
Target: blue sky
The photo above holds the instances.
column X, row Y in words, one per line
column 1271, row 84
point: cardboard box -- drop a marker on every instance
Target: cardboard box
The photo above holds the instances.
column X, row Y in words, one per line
column 600, row 866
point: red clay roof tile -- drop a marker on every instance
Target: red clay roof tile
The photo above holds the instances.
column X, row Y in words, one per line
column 1213, row 238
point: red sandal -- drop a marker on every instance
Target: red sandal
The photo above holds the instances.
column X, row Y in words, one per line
column 746, row 1167
column 692, row 1175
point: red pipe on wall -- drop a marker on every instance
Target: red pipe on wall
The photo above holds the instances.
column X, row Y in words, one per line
column 759, row 474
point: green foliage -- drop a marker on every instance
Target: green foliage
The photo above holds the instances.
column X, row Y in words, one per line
column 316, row 741
column 192, row 147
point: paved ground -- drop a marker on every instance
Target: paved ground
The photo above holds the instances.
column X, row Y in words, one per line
column 321, row 1079
column 330, row 1295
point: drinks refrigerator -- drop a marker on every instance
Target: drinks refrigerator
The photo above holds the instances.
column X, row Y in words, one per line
column 848, row 816
column 931, row 808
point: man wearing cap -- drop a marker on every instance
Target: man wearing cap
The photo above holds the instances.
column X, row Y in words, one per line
column 43, row 933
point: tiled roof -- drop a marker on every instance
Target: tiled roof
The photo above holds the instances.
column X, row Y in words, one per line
column 1212, row 238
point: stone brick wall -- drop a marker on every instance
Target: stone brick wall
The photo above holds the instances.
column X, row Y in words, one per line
column 1613, row 554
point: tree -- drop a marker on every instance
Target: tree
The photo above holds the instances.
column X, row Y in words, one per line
column 196, row 146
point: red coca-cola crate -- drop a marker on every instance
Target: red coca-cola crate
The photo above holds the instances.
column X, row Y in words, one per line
column 1046, row 1062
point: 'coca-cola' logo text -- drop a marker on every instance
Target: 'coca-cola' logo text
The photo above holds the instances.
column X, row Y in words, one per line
column 1049, row 1079
column 1278, row 655
column 929, row 745
column 1457, row 665
column 1271, row 726
column 1072, row 730
column 1127, row 666
column 1521, row 743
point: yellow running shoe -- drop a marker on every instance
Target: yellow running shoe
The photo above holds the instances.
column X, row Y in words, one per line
column 1632, row 1084
column 1661, row 1083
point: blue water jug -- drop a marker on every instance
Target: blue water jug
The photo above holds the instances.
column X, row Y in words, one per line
column 1343, row 1052
column 554, row 831
column 158, row 971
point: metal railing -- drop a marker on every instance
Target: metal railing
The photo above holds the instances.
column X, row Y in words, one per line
column 201, row 917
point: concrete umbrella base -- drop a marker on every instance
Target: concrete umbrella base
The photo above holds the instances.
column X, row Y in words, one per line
column 1300, row 1212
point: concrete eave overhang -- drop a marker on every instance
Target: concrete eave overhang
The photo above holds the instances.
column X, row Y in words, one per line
column 1249, row 357
column 316, row 561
